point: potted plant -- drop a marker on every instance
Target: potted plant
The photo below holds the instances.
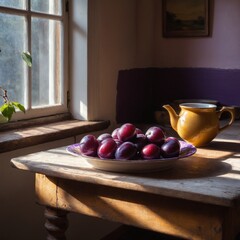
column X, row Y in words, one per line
column 9, row 107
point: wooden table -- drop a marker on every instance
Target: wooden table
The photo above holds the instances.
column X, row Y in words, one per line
column 197, row 199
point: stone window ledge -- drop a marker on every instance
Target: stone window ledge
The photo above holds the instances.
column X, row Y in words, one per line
column 32, row 132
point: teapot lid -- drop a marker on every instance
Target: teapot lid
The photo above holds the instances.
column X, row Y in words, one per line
column 198, row 105
column 210, row 101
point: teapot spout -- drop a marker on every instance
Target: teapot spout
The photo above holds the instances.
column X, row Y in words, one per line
column 173, row 116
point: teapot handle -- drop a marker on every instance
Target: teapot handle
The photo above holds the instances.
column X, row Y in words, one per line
column 232, row 117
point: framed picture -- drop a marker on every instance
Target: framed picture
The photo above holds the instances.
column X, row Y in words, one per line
column 185, row 18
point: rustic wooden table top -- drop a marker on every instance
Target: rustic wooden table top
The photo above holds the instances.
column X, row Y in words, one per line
column 211, row 175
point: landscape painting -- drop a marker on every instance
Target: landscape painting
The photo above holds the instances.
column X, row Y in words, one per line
column 185, row 18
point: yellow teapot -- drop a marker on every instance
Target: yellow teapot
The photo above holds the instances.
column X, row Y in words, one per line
column 198, row 123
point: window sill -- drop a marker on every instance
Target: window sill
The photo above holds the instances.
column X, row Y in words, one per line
column 45, row 132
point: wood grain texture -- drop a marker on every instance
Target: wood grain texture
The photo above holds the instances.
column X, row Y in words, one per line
column 180, row 218
column 210, row 176
column 198, row 199
column 26, row 137
column 34, row 122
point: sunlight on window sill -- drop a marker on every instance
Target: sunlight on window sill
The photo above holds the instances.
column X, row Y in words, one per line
column 34, row 134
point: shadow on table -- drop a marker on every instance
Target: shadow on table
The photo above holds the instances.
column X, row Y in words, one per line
column 191, row 168
column 223, row 146
column 199, row 166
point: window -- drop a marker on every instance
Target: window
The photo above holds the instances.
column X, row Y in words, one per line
column 38, row 27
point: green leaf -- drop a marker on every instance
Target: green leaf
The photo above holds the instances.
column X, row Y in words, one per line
column 19, row 106
column 26, row 56
column 7, row 110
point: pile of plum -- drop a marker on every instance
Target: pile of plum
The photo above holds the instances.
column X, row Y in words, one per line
column 129, row 143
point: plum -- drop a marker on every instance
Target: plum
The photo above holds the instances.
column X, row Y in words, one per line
column 150, row 151
column 107, row 149
column 155, row 135
column 139, row 131
column 103, row 137
column 89, row 145
column 170, row 148
column 140, row 141
column 114, row 133
column 130, row 143
column 126, row 150
column 126, row 132
column 118, row 142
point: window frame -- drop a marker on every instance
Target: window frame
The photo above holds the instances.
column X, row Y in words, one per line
column 63, row 107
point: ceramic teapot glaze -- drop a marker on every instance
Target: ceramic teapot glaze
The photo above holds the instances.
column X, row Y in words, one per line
column 198, row 123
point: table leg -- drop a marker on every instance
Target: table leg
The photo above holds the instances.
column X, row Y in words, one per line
column 56, row 223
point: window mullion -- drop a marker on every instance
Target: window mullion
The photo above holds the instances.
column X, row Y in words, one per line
column 29, row 46
column 41, row 30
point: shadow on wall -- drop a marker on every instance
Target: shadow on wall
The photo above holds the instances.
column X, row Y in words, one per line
column 142, row 91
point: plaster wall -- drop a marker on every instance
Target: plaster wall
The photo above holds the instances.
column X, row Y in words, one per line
column 220, row 50
column 112, row 46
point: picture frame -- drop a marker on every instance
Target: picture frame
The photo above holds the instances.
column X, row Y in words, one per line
column 185, row 18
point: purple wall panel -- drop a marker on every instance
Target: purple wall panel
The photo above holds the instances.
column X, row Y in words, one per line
column 142, row 91
column 135, row 95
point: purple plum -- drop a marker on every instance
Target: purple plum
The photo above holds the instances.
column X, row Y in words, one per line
column 126, row 150
column 126, row 132
column 89, row 145
column 107, row 149
column 150, row 151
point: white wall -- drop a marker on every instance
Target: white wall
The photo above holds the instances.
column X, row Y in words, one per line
column 112, row 46
column 220, row 50
column 109, row 34
column 146, row 15
column 78, row 58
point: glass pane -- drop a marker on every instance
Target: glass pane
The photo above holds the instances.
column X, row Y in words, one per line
column 47, row 62
column 46, row 6
column 12, row 67
column 19, row 4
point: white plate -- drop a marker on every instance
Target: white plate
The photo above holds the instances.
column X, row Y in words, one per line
column 133, row 166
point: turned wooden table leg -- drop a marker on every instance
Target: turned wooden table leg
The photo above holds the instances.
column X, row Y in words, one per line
column 56, row 223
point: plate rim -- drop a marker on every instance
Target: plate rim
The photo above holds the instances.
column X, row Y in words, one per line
column 133, row 166
column 193, row 148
